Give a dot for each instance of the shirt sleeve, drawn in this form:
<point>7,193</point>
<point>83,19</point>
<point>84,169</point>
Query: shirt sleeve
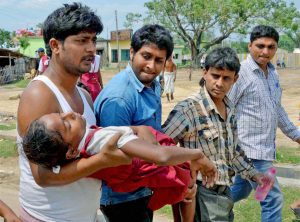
<point>176,125</point>
<point>286,126</point>
<point>115,112</point>
<point>236,91</point>
<point>242,165</point>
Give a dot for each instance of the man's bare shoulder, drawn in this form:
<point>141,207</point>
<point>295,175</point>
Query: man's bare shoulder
<point>36,101</point>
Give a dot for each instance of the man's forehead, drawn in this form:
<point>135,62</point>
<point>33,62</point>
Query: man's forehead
<point>153,49</point>
<point>220,70</point>
<point>86,33</point>
<point>265,41</point>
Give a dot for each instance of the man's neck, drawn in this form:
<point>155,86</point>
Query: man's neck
<point>61,78</point>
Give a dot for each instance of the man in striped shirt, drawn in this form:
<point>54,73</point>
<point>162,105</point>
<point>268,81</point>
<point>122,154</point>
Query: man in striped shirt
<point>257,97</point>
<point>206,121</point>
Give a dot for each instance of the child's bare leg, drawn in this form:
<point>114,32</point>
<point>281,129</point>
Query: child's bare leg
<point>187,210</point>
<point>176,212</point>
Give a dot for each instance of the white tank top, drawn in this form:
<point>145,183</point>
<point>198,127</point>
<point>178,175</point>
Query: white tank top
<point>77,201</point>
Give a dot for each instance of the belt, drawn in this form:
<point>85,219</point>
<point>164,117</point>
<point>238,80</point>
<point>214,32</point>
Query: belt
<point>216,188</point>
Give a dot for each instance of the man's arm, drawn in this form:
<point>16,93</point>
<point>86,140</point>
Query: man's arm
<point>286,126</point>
<point>110,156</point>
<point>7,213</point>
<point>175,71</point>
<point>36,101</point>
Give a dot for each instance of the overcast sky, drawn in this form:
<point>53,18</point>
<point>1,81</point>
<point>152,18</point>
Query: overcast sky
<point>17,14</point>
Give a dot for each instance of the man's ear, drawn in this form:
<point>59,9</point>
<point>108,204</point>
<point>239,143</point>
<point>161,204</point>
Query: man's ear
<point>236,77</point>
<point>54,45</point>
<point>131,53</point>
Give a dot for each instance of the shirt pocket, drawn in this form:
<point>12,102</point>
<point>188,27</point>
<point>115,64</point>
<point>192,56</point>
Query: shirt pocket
<point>209,141</point>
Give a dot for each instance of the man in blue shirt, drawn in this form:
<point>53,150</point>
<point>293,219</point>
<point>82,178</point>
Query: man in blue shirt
<point>132,97</point>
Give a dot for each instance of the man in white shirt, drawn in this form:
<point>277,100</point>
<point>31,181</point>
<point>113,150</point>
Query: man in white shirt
<point>257,97</point>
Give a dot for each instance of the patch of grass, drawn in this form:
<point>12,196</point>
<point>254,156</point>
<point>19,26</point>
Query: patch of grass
<point>18,83</point>
<point>288,155</point>
<point>22,83</point>
<point>8,148</point>
<point>8,127</point>
<point>165,211</point>
<point>249,209</point>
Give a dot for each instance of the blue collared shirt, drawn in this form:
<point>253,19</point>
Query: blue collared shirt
<point>259,111</point>
<point>125,101</point>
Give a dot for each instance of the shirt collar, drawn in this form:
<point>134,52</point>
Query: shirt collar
<point>254,66</point>
<point>88,130</point>
<point>136,82</point>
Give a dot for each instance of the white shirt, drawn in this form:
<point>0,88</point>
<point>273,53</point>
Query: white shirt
<point>77,201</point>
<point>259,111</point>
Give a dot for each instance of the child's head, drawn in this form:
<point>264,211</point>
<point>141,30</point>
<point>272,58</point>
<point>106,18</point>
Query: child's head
<point>54,138</point>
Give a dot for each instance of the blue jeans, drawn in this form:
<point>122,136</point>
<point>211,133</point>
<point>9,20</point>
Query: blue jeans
<point>272,205</point>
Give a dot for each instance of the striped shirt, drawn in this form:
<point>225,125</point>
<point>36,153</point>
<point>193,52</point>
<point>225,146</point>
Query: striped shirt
<point>196,124</point>
<point>259,111</point>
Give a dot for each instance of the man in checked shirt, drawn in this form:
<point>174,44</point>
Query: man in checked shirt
<point>207,121</point>
<point>257,97</point>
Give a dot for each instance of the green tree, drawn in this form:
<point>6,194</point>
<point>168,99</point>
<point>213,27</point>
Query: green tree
<point>5,39</point>
<point>24,42</point>
<point>132,19</point>
<point>285,42</point>
<point>192,19</point>
<point>294,32</point>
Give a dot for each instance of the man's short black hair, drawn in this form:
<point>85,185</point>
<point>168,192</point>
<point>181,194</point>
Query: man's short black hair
<point>261,31</point>
<point>222,58</point>
<point>153,34</point>
<point>70,19</point>
<point>43,146</point>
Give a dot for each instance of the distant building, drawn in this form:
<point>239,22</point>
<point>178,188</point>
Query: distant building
<point>123,55</point>
<point>177,54</point>
<point>102,49</point>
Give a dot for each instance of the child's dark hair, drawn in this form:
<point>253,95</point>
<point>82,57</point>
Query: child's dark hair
<point>70,20</point>
<point>43,146</point>
<point>153,34</point>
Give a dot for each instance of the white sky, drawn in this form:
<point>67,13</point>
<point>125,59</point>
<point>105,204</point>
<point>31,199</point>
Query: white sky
<point>17,14</point>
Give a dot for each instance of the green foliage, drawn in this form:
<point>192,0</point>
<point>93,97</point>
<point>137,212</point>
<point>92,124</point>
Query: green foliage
<point>192,20</point>
<point>8,148</point>
<point>5,39</point>
<point>240,47</point>
<point>287,43</point>
<point>132,19</point>
<point>24,42</point>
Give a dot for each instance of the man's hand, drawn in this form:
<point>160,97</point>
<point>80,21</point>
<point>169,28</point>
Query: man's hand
<point>144,133</point>
<point>262,179</point>
<point>192,188</point>
<point>115,156</point>
<point>207,169</point>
